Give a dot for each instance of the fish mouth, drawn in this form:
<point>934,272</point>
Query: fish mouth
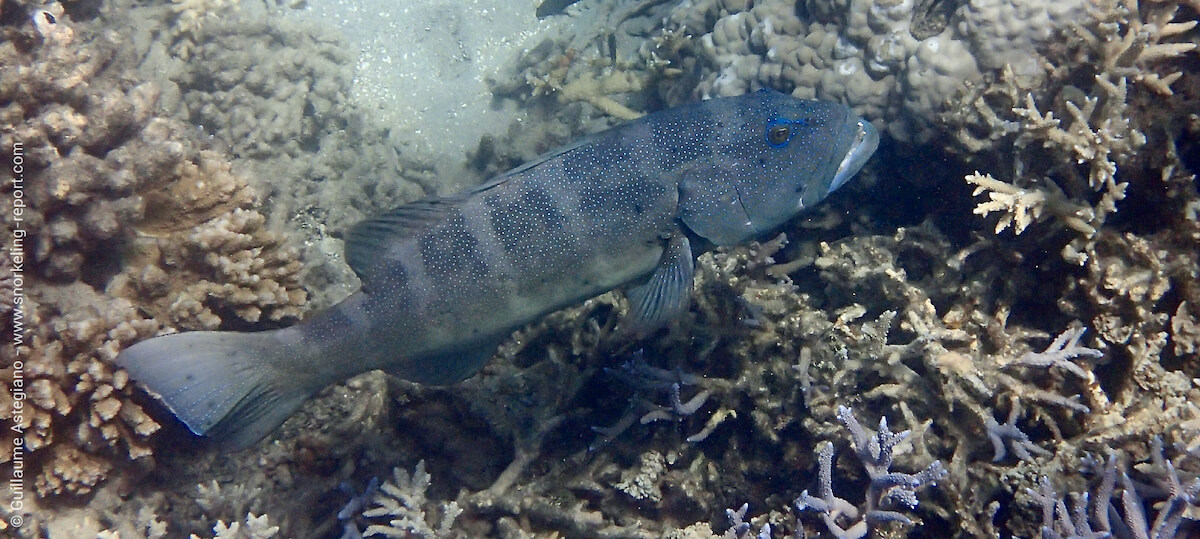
<point>865,143</point>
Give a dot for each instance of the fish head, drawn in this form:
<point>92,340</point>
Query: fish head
<point>769,157</point>
<point>806,150</point>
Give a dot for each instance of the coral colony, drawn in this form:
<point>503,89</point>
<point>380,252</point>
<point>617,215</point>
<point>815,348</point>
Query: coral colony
<point>1008,291</point>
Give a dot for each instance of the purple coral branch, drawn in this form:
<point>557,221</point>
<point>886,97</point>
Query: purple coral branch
<point>1058,522</point>
<point>885,489</point>
<point>1064,348</point>
<point>1008,432</point>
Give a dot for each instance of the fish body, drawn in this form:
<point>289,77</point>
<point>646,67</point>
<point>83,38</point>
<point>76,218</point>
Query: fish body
<point>444,280</point>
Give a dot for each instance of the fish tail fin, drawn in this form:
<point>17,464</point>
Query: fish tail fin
<point>223,385</point>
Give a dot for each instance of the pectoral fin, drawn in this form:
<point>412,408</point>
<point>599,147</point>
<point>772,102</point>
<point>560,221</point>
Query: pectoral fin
<point>667,294</point>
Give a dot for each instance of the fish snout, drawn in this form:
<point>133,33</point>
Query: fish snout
<point>866,141</point>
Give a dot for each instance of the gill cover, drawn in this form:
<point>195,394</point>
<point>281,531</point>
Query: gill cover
<point>772,163</point>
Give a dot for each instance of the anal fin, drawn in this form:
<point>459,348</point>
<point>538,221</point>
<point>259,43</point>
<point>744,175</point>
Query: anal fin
<point>668,292</point>
<point>448,367</point>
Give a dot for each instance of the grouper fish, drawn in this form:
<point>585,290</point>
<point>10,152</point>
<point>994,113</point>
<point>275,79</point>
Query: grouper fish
<point>445,279</point>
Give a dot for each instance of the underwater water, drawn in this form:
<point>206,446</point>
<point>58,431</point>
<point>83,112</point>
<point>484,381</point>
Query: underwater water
<point>991,330</point>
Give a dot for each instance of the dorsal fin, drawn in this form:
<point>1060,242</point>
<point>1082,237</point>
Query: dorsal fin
<point>368,239</point>
<point>505,176</point>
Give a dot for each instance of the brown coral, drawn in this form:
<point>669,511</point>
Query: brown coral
<point>133,230</point>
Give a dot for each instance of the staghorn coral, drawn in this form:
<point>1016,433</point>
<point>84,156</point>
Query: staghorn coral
<point>1100,517</point>
<point>1095,137</point>
<point>1115,41</point>
<point>886,487</point>
<point>1082,158</point>
<point>402,501</point>
<point>254,527</point>
<point>1082,152</point>
<point>748,366</point>
<point>1130,48</point>
<point>1020,208</point>
<point>1135,38</point>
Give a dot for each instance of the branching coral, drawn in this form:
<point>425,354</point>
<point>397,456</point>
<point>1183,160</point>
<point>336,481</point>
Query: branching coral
<point>1130,44</point>
<point>1133,38</point>
<point>1079,153</point>
<point>1093,137</point>
<point>402,501</point>
<point>646,379</point>
<point>1099,516</point>
<point>254,527</point>
<point>886,488</point>
<point>948,330</point>
<point>1020,208</point>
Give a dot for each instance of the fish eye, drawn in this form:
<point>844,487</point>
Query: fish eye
<point>778,134</point>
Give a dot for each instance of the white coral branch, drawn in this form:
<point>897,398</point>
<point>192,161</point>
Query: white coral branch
<point>1019,207</point>
<point>404,499</point>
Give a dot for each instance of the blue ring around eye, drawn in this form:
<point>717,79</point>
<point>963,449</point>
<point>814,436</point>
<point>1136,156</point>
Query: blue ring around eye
<point>777,123</point>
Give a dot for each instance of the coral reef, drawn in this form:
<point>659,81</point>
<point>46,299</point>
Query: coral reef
<point>897,62</point>
<point>254,527</point>
<point>133,229</point>
<point>1098,136</point>
<point>1094,517</point>
<point>587,78</point>
<point>1125,57</point>
<point>886,488</point>
<point>1028,363</point>
<point>400,501</point>
<point>272,92</point>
